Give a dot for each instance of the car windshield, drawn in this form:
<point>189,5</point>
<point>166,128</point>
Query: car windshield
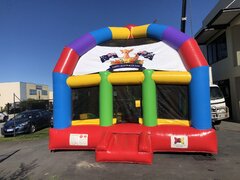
<point>216,93</point>
<point>22,115</point>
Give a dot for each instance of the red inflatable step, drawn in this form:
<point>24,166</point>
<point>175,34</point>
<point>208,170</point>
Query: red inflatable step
<point>125,147</point>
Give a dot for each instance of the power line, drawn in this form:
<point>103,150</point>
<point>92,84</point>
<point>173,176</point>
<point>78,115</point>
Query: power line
<point>183,17</point>
<point>190,18</point>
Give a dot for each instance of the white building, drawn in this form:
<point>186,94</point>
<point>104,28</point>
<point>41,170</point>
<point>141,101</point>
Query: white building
<point>50,95</point>
<point>220,40</point>
<point>22,91</point>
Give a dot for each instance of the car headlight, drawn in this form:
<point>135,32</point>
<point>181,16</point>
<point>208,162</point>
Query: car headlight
<point>214,109</point>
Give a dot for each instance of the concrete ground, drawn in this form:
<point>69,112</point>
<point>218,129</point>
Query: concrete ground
<point>33,160</point>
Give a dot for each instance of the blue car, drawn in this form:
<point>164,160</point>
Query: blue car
<point>27,122</point>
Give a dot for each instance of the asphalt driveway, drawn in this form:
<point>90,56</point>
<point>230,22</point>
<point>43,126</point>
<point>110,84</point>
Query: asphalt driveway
<point>33,160</point>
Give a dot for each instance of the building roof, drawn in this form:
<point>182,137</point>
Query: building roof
<point>219,22</point>
<point>23,82</point>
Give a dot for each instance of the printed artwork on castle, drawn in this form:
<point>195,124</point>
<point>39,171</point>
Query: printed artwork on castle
<point>156,56</point>
<point>126,60</point>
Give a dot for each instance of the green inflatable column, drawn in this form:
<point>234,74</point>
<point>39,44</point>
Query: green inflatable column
<point>106,100</point>
<point>149,99</point>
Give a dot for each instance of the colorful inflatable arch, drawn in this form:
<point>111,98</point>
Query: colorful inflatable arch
<point>133,142</point>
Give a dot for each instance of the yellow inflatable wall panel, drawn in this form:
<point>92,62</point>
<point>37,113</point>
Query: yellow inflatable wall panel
<point>120,32</point>
<point>89,122</point>
<point>166,77</point>
<point>126,78</point>
<point>139,31</point>
<point>169,122</point>
<point>83,80</point>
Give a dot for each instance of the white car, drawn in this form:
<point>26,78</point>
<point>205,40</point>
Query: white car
<point>3,117</point>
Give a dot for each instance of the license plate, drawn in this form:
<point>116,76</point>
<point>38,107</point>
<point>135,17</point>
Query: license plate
<point>9,130</point>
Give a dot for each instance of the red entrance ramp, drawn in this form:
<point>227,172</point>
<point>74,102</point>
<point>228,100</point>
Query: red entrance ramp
<point>125,147</point>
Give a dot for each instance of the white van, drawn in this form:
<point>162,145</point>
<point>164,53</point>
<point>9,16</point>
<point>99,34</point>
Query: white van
<point>219,110</point>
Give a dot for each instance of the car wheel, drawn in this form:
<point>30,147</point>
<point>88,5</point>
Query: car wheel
<point>32,128</point>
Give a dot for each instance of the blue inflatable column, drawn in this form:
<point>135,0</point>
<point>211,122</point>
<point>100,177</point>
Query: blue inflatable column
<point>199,90</point>
<point>62,105</point>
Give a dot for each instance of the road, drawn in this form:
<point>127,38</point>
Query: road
<point>33,160</point>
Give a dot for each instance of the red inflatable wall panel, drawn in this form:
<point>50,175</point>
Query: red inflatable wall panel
<point>125,147</point>
<point>191,54</point>
<point>59,139</point>
<point>161,137</point>
<point>195,140</point>
<point>67,61</point>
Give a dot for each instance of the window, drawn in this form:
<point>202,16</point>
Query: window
<point>236,44</point>
<point>172,101</point>
<point>85,102</point>
<point>215,93</point>
<point>44,92</point>
<point>124,103</point>
<point>217,49</point>
<point>35,115</point>
<point>38,87</point>
<point>209,55</point>
<point>33,92</point>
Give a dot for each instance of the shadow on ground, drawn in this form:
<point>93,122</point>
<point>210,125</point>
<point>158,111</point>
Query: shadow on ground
<point>21,173</point>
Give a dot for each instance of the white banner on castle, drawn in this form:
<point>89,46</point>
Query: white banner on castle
<point>156,56</point>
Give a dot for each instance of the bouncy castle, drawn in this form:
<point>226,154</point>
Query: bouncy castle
<point>127,92</point>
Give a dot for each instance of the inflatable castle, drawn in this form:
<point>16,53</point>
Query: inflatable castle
<point>127,92</point>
